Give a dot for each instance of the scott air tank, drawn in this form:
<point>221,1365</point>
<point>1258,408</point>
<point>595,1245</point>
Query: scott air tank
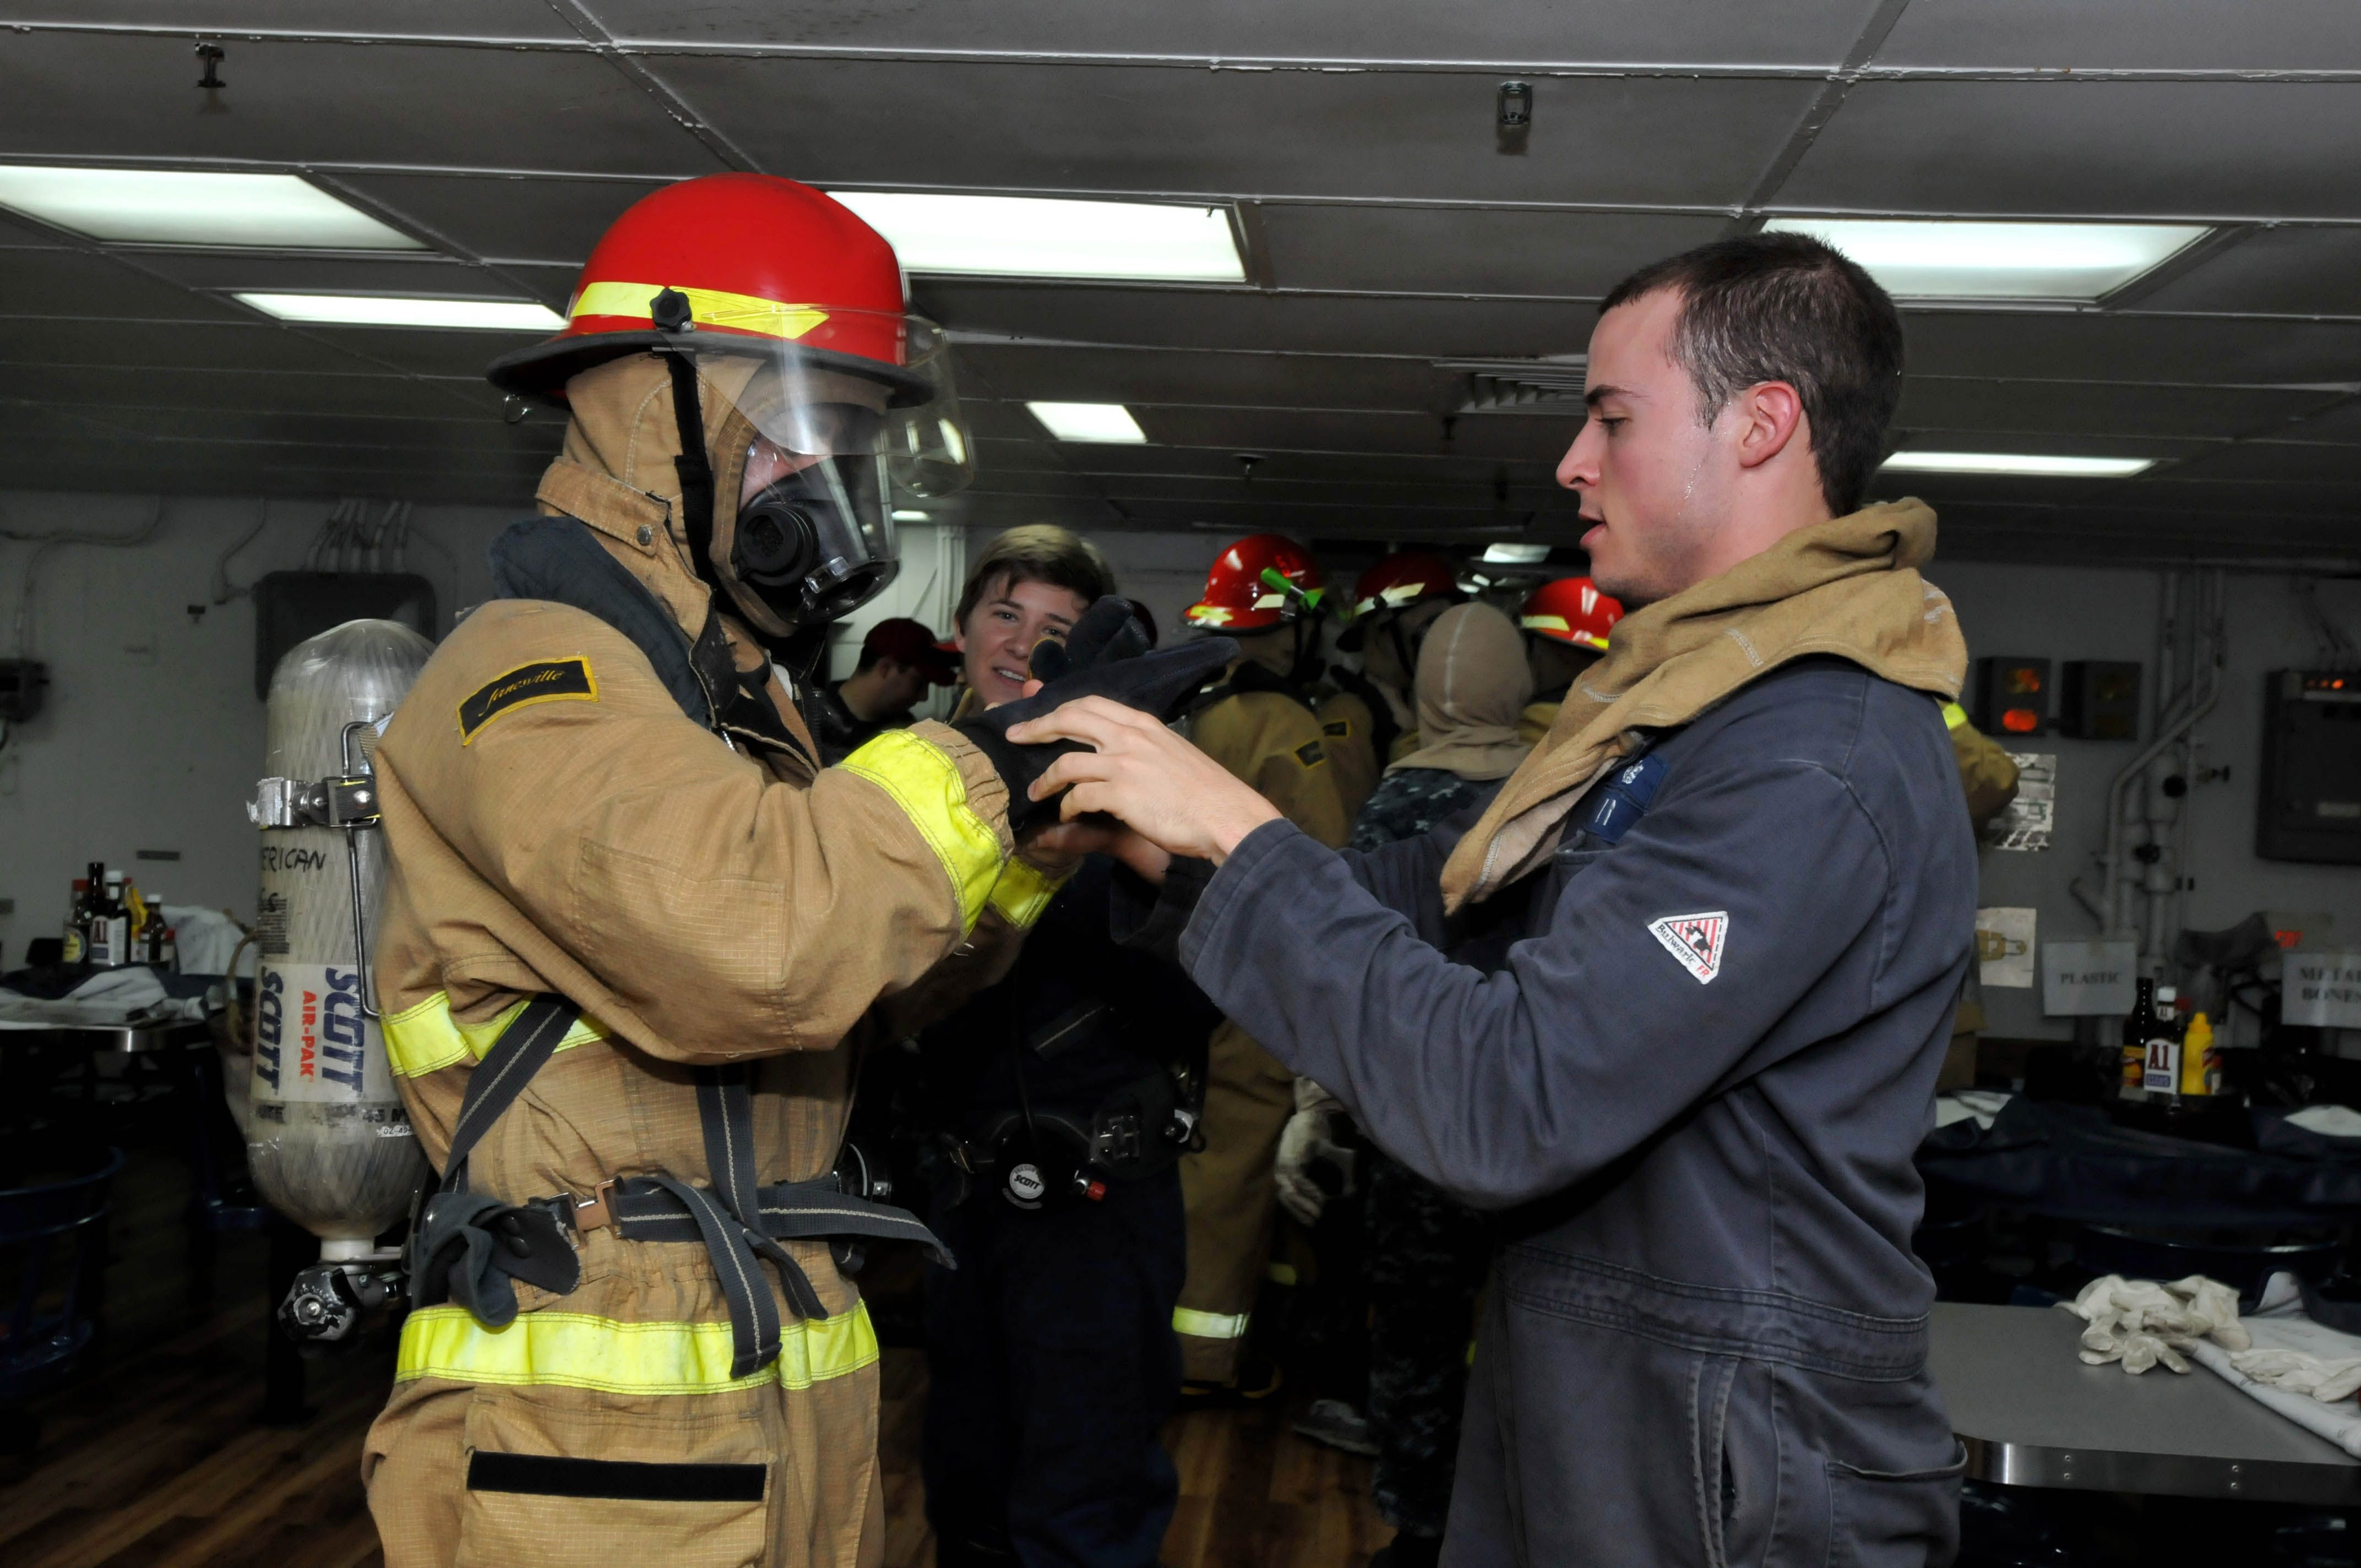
<point>329,1142</point>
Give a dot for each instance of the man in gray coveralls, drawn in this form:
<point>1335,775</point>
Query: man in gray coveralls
<point>1674,1004</point>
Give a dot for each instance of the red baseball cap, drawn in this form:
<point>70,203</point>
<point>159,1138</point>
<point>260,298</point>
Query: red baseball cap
<point>909,643</point>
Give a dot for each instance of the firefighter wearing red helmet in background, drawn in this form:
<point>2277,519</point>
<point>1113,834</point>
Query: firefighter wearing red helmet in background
<point>624,890</point>
<point>1259,723</point>
<point>1393,604</point>
<point>1565,625</point>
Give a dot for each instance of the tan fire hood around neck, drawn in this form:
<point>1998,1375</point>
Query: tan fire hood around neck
<point>1848,588</point>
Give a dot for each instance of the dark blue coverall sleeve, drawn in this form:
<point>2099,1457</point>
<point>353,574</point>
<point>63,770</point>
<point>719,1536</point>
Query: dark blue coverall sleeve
<point>1506,1087</point>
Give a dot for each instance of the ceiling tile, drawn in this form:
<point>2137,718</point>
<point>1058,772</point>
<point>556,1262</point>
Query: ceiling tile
<point>2062,346</point>
<point>1245,318</point>
<point>2123,35</point>
<point>383,19</point>
<point>1577,254</point>
<point>215,386</point>
<point>1146,130</point>
<point>129,95</point>
<point>81,283</point>
<point>453,353</point>
<point>1538,30</point>
<point>2293,271</point>
<point>2097,408</point>
<point>2342,423</point>
<point>2273,462</point>
<point>2087,149</point>
<point>221,271</point>
<point>508,218</point>
<point>1151,376</point>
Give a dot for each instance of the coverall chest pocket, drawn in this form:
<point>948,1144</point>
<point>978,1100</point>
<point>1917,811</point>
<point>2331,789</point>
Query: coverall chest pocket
<point>572,1479</point>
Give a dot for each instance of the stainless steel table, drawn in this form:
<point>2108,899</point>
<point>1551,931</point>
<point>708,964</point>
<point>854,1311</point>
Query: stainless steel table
<point>107,1039</point>
<point>2032,1415</point>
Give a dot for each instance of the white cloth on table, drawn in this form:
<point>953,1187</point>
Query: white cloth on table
<point>111,997</point>
<point>206,937</point>
<point>2328,1121</point>
<point>2306,1371</point>
<point>1981,1105</point>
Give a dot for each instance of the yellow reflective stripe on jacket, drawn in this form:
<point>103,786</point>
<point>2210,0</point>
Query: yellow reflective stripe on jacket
<point>926,783</point>
<point>574,1350</point>
<point>425,1039</point>
<point>1954,716</point>
<point>1208,1326</point>
<point>1023,892</point>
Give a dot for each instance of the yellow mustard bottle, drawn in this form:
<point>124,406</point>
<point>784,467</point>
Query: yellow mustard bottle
<point>2201,1063</point>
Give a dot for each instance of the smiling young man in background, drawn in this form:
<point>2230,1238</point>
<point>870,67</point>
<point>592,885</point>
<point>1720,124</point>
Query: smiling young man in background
<point>1683,1027</point>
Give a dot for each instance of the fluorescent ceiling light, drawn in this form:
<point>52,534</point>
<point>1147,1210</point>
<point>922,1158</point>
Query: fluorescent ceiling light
<point>2019,462</point>
<point>1998,261</point>
<point>1038,236</point>
<point>906,515</point>
<point>1516,555</point>
<point>177,206</point>
<point>1090,422</point>
<point>378,310</point>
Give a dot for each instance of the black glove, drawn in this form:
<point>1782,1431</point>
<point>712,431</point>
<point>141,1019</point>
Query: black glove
<point>1106,655</point>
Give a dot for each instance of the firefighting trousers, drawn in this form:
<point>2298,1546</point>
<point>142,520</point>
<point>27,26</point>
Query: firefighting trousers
<point>1050,1368</point>
<point>586,1441</point>
<point>1228,1189</point>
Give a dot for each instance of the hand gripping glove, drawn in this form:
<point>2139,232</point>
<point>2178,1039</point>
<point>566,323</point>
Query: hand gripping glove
<point>1106,655</point>
<point>1315,1165</point>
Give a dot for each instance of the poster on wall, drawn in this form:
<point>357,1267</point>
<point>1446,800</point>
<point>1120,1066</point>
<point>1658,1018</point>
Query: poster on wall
<point>2004,948</point>
<point>2025,825</point>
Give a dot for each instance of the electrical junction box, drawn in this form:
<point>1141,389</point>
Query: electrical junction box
<point>2308,809</point>
<point>2012,697</point>
<point>2098,700</point>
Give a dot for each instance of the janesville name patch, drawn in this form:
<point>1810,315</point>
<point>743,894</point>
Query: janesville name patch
<point>1695,940</point>
<point>545,680</point>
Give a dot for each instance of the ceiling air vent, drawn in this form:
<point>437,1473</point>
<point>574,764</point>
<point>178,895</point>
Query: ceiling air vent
<point>1515,386</point>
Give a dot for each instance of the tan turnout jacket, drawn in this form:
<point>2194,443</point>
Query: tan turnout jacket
<point>576,832</point>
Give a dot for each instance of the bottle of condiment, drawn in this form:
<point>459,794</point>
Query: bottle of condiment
<point>2201,1059</point>
<point>77,919</point>
<point>110,923</point>
<point>2136,1030</point>
<point>2162,1075</point>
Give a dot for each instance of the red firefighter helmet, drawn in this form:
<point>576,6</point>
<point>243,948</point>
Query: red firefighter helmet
<point>1571,610</point>
<point>1400,581</point>
<point>1397,582</point>
<point>1239,597</point>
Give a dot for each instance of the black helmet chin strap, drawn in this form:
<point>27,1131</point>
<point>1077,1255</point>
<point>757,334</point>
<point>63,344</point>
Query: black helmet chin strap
<point>670,311</point>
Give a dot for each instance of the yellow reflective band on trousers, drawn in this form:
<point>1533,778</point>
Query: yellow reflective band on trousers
<point>926,783</point>
<point>1954,716</point>
<point>425,1039</point>
<point>1023,893</point>
<point>574,1350</point>
<point>1208,1326</point>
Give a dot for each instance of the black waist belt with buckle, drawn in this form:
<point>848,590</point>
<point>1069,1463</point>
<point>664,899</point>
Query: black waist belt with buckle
<point>467,1246</point>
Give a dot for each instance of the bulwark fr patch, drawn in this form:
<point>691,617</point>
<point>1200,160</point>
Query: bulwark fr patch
<point>1310,754</point>
<point>543,680</point>
<point>1696,940</point>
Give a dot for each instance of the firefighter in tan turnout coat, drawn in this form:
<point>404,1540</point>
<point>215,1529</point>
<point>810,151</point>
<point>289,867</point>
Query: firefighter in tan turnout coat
<point>633,932</point>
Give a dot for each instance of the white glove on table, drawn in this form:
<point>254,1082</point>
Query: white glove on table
<point>1308,1142</point>
<point>2141,1322</point>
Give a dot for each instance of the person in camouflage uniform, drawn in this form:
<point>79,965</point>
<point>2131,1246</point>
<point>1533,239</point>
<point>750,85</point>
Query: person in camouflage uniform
<point>1427,1254</point>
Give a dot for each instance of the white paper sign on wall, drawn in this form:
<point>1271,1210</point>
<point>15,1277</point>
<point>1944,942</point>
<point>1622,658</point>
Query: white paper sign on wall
<point>2321,989</point>
<point>2091,978</point>
<point>2004,947</point>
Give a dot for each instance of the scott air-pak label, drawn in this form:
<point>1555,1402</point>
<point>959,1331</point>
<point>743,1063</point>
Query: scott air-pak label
<point>543,680</point>
<point>312,1041</point>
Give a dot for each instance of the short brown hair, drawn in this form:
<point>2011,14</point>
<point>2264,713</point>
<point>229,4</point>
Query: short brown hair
<point>1785,307</point>
<point>1036,553</point>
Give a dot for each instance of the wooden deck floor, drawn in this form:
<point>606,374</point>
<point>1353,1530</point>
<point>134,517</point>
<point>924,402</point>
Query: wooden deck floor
<point>155,1459</point>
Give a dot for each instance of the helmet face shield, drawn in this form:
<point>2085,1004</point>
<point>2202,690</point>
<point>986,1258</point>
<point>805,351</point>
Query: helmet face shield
<point>812,442</point>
